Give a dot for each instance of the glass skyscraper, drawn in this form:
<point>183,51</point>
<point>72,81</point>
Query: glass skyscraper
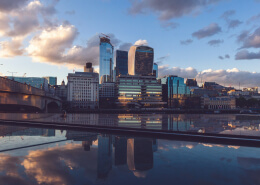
<point>155,69</point>
<point>121,62</point>
<point>140,60</point>
<point>106,64</point>
<point>51,80</point>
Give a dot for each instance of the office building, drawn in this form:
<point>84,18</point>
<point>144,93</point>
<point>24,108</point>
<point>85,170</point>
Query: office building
<point>217,103</point>
<point>61,91</point>
<point>121,62</point>
<point>83,90</point>
<point>155,70</point>
<point>142,92</point>
<point>251,90</point>
<point>175,88</point>
<point>88,67</point>
<point>51,80</point>
<point>140,60</point>
<point>107,95</point>
<point>106,64</point>
<point>37,82</point>
<point>191,83</point>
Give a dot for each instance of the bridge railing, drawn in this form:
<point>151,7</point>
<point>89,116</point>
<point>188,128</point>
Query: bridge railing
<point>14,86</point>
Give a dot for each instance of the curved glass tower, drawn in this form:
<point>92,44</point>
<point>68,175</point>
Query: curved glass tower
<point>140,60</point>
<point>106,63</point>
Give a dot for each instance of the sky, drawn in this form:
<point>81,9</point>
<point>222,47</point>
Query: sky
<point>210,40</point>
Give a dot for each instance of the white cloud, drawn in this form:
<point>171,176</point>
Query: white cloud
<point>141,42</point>
<point>11,48</point>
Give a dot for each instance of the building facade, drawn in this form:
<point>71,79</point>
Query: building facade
<point>155,70</point>
<point>106,64</point>
<point>51,80</point>
<point>83,90</point>
<point>61,91</point>
<point>218,103</point>
<point>37,82</point>
<point>121,62</point>
<point>175,89</point>
<point>139,92</point>
<point>140,60</point>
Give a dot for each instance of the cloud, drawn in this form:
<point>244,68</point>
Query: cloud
<point>11,48</point>
<point>225,77</point>
<point>185,73</point>
<point>234,23</point>
<point>160,60</point>
<point>186,42</point>
<point>250,40</point>
<point>171,25</point>
<point>125,46</point>
<point>8,5</point>
<point>224,57</point>
<point>246,55</point>
<point>242,36</point>
<point>227,14</point>
<point>169,9</point>
<point>141,42</point>
<point>207,31</point>
<point>253,19</point>
<point>72,12</point>
<point>215,42</point>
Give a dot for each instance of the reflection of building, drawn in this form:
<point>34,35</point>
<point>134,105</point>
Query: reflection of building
<point>120,150</point>
<point>178,123</point>
<point>37,82</point>
<point>51,80</point>
<point>106,64</point>
<point>104,155</point>
<point>121,62</point>
<point>139,92</point>
<point>83,91</point>
<point>34,132</point>
<point>140,154</point>
<point>140,60</point>
<point>223,102</point>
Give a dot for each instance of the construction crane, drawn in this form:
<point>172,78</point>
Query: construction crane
<point>12,73</point>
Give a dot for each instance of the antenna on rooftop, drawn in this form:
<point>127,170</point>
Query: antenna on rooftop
<point>105,35</point>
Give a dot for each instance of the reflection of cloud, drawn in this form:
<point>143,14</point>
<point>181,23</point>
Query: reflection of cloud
<point>235,147</point>
<point>140,174</point>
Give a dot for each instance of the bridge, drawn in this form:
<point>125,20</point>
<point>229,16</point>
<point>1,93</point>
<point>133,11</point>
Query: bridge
<point>16,96</point>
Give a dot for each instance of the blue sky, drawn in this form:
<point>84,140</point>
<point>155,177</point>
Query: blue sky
<point>190,38</point>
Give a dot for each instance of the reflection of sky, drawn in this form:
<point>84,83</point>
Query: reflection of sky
<point>175,162</point>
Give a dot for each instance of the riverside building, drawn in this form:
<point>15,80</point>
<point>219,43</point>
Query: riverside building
<point>83,90</point>
<point>121,62</point>
<point>106,64</point>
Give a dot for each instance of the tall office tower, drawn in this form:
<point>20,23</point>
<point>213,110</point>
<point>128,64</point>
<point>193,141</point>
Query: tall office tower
<point>121,62</point>
<point>140,60</point>
<point>155,70</point>
<point>106,64</point>
<point>51,80</point>
<point>88,68</point>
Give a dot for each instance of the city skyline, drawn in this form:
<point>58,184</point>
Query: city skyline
<point>208,40</point>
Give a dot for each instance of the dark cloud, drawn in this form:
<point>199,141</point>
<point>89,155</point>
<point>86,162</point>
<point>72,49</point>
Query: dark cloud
<point>246,55</point>
<point>227,14</point>
<point>224,57</point>
<point>250,40</point>
<point>185,73</point>
<point>8,5</point>
<point>169,9</point>
<point>215,42</point>
<point>160,60</point>
<point>234,23</point>
<point>186,42</point>
<point>241,37</point>
<point>207,31</point>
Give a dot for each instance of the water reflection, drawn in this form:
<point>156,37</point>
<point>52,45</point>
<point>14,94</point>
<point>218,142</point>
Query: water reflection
<point>92,158</point>
<point>202,123</point>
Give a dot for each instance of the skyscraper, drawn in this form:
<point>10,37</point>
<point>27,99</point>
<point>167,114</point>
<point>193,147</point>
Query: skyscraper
<point>140,60</point>
<point>106,64</point>
<point>121,62</point>
<point>155,70</point>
